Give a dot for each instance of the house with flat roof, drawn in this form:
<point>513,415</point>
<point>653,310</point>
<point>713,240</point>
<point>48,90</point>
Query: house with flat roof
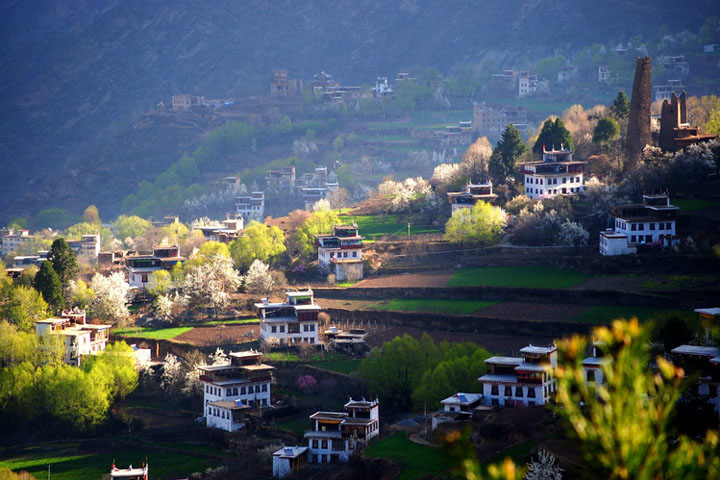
<point>340,252</point>
<point>141,269</point>
<point>80,338</point>
<point>288,460</point>
<point>473,193</point>
<point>224,231</point>
<point>291,322</point>
<point>556,174</point>
<point>701,362</point>
<point>650,223</point>
<point>251,207</point>
<point>335,436</point>
<point>521,381</point>
<point>88,246</point>
<point>234,389</point>
<point>130,473</point>
<point>461,403</point>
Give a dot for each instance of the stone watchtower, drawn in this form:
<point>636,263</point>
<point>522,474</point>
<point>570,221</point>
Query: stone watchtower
<point>672,116</point>
<point>638,131</point>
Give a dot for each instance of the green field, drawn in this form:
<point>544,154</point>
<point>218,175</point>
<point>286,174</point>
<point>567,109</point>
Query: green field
<point>152,333</point>
<point>691,204</point>
<point>297,425</point>
<point>526,276</point>
<point>607,313</point>
<point>373,226</point>
<point>458,307</point>
<point>417,461</point>
<point>67,462</point>
<point>347,366</point>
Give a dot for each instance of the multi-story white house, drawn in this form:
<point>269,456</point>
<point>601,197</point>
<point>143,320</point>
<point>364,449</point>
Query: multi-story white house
<point>592,366</point>
<point>650,223</point>
<point>521,381</point>
<point>141,269</point>
<point>251,207</point>
<point>557,174</point>
<point>81,339</point>
<point>223,231</point>
<point>11,239</point>
<point>340,252</point>
<point>615,243</point>
<point>473,193</point>
<point>336,435</point>
<point>232,390</point>
<point>88,246</point>
<point>291,322</point>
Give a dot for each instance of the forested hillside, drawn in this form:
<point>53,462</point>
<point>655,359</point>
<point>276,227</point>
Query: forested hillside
<point>77,75</point>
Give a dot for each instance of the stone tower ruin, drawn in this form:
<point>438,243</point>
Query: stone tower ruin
<point>638,131</point>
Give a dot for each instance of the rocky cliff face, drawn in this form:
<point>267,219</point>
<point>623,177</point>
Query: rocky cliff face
<point>76,75</point>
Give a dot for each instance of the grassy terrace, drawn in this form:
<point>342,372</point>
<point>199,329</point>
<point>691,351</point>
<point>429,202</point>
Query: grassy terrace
<point>152,333</point>
<point>607,313</point>
<point>691,204</point>
<point>68,462</point>
<point>526,276</point>
<point>347,366</point>
<point>417,461</point>
<point>375,226</point>
<point>458,307</point>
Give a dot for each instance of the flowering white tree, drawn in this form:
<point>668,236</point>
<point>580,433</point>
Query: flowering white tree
<point>320,205</point>
<point>258,278</point>
<point>403,195</point>
<point>445,173</point>
<point>572,233</point>
<point>163,307</point>
<point>219,357</point>
<point>544,468</point>
<point>172,376</point>
<point>111,297</point>
<point>210,283</point>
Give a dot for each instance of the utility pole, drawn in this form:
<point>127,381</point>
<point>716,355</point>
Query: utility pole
<point>408,229</point>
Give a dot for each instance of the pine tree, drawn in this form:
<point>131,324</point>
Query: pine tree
<point>510,147</point>
<point>63,260</point>
<point>48,284</point>
<point>621,105</point>
<point>553,135</point>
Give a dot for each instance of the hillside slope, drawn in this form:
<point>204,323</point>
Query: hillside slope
<point>77,74</point>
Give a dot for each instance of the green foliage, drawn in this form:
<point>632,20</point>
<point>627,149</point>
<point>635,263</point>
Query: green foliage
<point>17,346</point>
<point>712,126</point>
<point>81,295</point>
<point>162,281</point>
<point>553,135</point>
<point>130,226</point>
<point>176,232</point>
<point>75,232</point>
<point>114,369</point>
<point>63,260</point>
<point>506,153</point>
<point>395,372</point>
<point>338,143</point>
<point>621,105</point>
<point>458,373</point>
<point>481,225</point>
<point>55,218</point>
<point>259,242</point>
<point>527,276</point>
<point>417,461</point>
<point>607,129</point>
<point>48,284</point>
<point>23,306</point>
<point>320,222</point>
<point>19,223</point>
<point>7,474</point>
<point>547,68</point>
<point>347,366</point>
<point>622,424</point>
<point>458,307</point>
<point>91,215</point>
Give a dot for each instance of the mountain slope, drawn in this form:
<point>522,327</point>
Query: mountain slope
<point>77,74</point>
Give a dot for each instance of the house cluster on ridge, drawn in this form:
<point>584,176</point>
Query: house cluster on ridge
<point>224,231</point>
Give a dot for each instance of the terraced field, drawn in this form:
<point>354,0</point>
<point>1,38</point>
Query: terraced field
<point>607,313</point>
<point>456,307</point>
<point>525,276</point>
